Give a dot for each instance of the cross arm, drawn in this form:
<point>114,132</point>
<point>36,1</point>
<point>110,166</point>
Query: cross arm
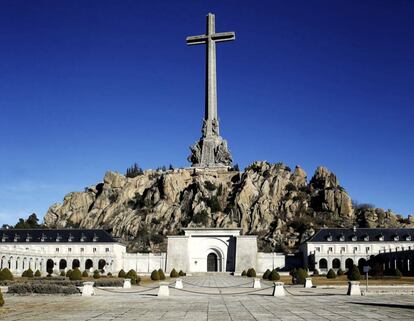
<point>223,36</point>
<point>196,40</point>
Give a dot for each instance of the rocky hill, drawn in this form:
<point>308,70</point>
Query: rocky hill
<point>270,200</point>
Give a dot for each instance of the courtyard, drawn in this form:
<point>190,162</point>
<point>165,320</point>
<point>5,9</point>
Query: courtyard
<point>210,297</point>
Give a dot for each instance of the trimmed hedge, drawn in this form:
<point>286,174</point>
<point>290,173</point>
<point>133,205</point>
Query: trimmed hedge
<point>173,273</point>
<point>37,274</point>
<point>244,273</point>
<point>274,276</point>
<point>266,274</point>
<point>316,272</point>
<point>5,274</point>
<point>96,274</point>
<point>62,273</point>
<point>36,287</point>
<point>181,273</point>
<point>353,274</point>
<point>331,274</point>
<point>69,273</point>
<point>122,274</point>
<point>75,275</point>
<point>155,276</point>
<point>85,274</point>
<point>161,274</point>
<point>340,272</point>
<point>299,276</point>
<point>135,279</point>
<point>397,273</point>
<point>251,273</point>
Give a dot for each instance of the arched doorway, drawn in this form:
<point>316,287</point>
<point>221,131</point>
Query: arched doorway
<point>212,265</point>
<point>62,264</point>
<point>361,264</point>
<point>101,265</point>
<point>336,264</point>
<point>349,263</point>
<point>323,264</point>
<point>75,264</point>
<point>88,264</point>
<point>49,266</point>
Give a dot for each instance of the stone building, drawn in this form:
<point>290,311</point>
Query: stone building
<point>199,250</point>
<point>340,248</point>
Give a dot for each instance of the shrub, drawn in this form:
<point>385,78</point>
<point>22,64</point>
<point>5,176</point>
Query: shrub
<point>244,273</point>
<point>85,274</point>
<point>274,276</point>
<point>109,274</point>
<point>173,274</point>
<point>266,274</point>
<point>29,273</point>
<point>353,273</point>
<point>331,274</point>
<point>68,273</point>
<point>397,273</point>
<point>135,279</point>
<point>251,273</point>
<point>161,274</point>
<point>5,274</point>
<point>155,276</point>
<point>96,274</point>
<point>122,274</point>
<point>316,272</point>
<point>1,299</point>
<point>76,275</point>
<point>42,288</point>
<point>37,274</point>
<point>340,272</point>
<point>181,273</point>
<point>110,282</point>
<point>62,273</point>
<point>24,274</point>
<point>299,276</point>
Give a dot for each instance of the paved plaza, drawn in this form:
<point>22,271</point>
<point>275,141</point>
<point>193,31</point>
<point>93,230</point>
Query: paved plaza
<point>227,298</point>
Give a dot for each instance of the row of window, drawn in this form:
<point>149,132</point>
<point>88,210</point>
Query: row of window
<point>367,249</point>
<point>82,249</point>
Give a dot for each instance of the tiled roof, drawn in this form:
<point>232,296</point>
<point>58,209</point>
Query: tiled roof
<point>53,235</point>
<point>363,234</point>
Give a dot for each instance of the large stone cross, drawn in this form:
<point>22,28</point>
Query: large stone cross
<point>211,150</point>
<point>210,39</point>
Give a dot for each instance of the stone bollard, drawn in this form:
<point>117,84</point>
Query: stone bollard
<point>308,283</point>
<point>163,290</point>
<point>88,289</point>
<point>353,288</point>
<point>256,284</point>
<point>127,284</point>
<point>278,289</point>
<point>178,284</point>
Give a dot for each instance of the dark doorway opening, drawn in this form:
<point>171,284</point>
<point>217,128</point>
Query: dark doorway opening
<point>212,262</point>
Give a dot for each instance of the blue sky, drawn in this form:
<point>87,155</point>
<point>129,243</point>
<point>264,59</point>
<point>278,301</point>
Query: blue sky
<point>90,86</point>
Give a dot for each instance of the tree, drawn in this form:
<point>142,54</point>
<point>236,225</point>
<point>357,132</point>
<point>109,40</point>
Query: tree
<point>30,223</point>
<point>122,274</point>
<point>353,274</point>
<point>134,171</point>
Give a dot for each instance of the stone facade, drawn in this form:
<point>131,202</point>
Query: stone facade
<point>340,248</point>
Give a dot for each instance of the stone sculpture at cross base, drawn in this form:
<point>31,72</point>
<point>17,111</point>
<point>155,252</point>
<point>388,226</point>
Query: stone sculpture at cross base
<point>211,150</point>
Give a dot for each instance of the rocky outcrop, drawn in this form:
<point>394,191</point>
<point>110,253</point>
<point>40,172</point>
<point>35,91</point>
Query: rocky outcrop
<point>269,200</point>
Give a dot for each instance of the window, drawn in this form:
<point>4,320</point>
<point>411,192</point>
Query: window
<point>355,249</point>
<point>330,249</point>
<point>107,250</point>
<point>343,249</point>
<point>82,249</point>
<point>69,249</point>
<point>57,249</point>
<point>94,250</point>
<point>367,249</point>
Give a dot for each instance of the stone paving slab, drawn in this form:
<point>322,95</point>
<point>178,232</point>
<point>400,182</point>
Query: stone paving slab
<point>235,300</point>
